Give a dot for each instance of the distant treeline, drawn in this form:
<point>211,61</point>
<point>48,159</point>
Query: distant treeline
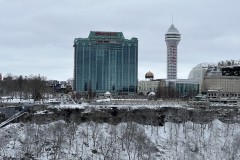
<point>34,87</point>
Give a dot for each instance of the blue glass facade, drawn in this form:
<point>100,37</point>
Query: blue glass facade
<point>187,87</point>
<point>107,61</point>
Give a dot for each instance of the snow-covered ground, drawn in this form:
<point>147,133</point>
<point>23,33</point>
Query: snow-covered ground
<point>61,140</point>
<point>70,106</point>
<point>16,100</point>
<point>120,106</point>
<point>103,100</point>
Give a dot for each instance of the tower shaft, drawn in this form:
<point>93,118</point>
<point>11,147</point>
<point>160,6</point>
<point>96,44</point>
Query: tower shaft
<point>172,38</point>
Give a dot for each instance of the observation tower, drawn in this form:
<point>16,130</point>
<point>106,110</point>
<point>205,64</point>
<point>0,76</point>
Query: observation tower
<point>172,38</point>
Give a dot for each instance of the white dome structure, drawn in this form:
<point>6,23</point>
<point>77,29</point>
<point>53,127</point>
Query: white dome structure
<point>107,95</point>
<point>152,94</point>
<point>198,72</point>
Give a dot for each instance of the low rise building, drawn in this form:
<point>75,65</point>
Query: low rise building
<point>149,84</point>
<point>180,87</point>
<point>187,87</point>
<point>222,81</point>
<point>224,86</point>
<point>218,81</point>
<point>145,87</point>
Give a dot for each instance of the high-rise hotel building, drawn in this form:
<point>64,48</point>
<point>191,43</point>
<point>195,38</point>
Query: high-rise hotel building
<point>172,38</point>
<point>106,61</point>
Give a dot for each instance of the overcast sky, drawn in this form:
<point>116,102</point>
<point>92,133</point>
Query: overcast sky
<point>36,36</point>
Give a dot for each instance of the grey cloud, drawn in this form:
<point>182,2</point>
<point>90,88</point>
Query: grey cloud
<point>37,36</point>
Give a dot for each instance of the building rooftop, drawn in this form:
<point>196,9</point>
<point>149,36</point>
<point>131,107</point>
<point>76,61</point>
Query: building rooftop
<point>103,34</point>
<point>172,30</point>
<point>106,37</point>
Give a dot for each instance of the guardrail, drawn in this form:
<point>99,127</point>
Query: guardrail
<point>15,116</point>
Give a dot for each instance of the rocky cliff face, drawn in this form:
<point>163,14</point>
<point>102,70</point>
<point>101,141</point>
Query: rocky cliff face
<point>145,116</point>
<point>123,133</point>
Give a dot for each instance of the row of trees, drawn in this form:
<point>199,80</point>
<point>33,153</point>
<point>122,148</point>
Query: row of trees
<point>170,92</point>
<point>166,92</point>
<point>24,87</point>
<point>130,141</point>
<point>88,140</point>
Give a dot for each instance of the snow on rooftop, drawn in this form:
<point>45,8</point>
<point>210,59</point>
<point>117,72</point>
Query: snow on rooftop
<point>103,100</point>
<point>107,93</point>
<point>205,65</point>
<point>151,94</point>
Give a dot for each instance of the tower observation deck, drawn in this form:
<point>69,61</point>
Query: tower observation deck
<point>172,38</point>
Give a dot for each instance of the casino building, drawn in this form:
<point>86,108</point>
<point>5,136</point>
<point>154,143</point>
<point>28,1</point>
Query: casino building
<point>106,61</point>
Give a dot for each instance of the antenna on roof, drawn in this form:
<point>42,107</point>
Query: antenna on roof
<point>172,19</point>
